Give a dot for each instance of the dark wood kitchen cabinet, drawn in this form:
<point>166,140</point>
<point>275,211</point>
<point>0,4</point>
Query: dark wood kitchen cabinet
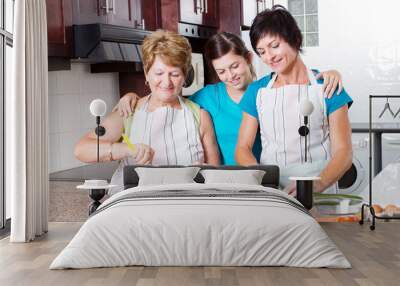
<point>199,12</point>
<point>89,11</point>
<point>189,17</point>
<point>59,28</point>
<point>229,14</point>
<point>250,9</point>
<point>62,14</point>
<point>126,13</point>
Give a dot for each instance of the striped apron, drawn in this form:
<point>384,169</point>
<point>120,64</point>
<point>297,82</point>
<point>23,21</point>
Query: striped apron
<point>279,117</point>
<point>173,134</point>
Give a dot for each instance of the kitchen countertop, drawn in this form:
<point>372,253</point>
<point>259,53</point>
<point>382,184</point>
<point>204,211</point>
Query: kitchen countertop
<point>376,127</point>
<point>102,171</point>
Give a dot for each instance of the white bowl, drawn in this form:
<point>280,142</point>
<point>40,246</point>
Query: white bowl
<point>96,183</point>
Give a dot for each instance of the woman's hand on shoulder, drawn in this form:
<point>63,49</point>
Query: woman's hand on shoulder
<point>126,104</point>
<point>332,80</point>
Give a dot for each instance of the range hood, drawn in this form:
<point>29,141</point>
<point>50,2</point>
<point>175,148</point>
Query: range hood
<point>104,43</point>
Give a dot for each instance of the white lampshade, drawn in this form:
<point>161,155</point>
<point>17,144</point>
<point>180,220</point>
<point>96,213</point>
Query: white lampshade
<point>98,107</point>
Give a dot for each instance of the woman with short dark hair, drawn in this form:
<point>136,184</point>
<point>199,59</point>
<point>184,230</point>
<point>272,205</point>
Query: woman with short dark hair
<point>273,104</point>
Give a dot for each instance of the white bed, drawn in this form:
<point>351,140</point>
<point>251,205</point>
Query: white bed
<point>201,224</point>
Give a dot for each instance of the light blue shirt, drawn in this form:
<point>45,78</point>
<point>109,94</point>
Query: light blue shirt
<point>227,117</point>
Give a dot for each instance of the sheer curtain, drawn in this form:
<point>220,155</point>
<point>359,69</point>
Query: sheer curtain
<point>27,120</point>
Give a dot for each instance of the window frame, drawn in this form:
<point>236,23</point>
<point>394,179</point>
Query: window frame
<point>6,39</point>
<point>305,31</point>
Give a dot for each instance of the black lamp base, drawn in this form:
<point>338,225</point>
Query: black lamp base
<point>304,191</point>
<point>96,195</point>
<point>100,130</point>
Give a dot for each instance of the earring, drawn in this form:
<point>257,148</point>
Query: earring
<point>146,83</point>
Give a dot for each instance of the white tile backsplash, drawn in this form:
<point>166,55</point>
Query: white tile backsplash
<point>70,94</point>
<point>69,118</point>
<point>67,82</point>
<point>54,152</point>
<point>93,84</point>
<point>67,144</point>
<point>52,83</point>
<point>108,82</point>
<point>54,118</point>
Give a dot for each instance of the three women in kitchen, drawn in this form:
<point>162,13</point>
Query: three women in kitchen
<point>165,128</point>
<point>231,64</point>
<point>272,104</point>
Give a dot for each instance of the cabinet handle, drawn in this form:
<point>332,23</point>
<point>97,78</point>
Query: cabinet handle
<point>141,25</point>
<point>259,6</point>
<point>206,6</point>
<point>113,5</point>
<point>105,7</point>
<point>197,7</point>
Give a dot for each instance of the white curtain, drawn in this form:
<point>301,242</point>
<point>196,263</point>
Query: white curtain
<point>27,123</point>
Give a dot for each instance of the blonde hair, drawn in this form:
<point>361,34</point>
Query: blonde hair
<point>172,48</point>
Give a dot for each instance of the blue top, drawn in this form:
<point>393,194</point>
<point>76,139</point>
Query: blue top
<point>227,117</point>
<point>248,102</point>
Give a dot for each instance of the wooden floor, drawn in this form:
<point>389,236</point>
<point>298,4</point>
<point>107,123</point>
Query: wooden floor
<point>374,255</point>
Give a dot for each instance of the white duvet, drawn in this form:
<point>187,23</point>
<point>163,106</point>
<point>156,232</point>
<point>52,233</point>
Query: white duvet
<point>225,225</point>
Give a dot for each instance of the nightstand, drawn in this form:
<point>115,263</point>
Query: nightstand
<point>97,190</point>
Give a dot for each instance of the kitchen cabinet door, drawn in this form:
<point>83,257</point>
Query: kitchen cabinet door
<point>59,32</point>
<point>126,13</point>
<point>90,11</point>
<point>250,9</point>
<point>151,14</point>
<point>199,12</point>
<point>210,11</point>
<point>190,11</point>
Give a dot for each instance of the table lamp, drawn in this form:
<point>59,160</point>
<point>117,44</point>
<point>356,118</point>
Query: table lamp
<point>98,108</point>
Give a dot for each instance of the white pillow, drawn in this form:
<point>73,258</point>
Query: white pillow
<point>166,176</point>
<point>248,177</point>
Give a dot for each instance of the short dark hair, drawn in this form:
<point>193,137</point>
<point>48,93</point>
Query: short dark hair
<point>221,44</point>
<point>276,21</point>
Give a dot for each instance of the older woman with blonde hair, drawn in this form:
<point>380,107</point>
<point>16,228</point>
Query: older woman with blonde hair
<point>165,128</point>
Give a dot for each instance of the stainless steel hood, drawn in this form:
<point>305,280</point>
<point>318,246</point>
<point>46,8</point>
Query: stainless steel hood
<point>104,43</point>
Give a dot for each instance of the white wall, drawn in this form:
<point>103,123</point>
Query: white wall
<point>361,39</point>
<point>70,93</point>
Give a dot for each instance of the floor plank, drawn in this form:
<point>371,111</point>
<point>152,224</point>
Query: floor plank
<point>374,255</point>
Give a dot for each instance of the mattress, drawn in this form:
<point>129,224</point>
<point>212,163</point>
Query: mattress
<point>201,225</point>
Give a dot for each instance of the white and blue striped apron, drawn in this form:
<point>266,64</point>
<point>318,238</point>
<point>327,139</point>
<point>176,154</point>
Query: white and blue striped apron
<point>279,117</point>
<point>173,134</point>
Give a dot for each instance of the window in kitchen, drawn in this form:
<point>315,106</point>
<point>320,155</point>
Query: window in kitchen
<point>306,14</point>
<point>6,63</point>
